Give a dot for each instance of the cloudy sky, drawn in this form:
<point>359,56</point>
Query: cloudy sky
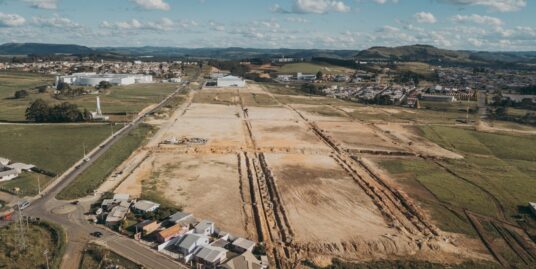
<point>332,24</point>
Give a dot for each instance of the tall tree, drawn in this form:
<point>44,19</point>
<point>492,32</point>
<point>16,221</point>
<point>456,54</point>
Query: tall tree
<point>38,111</point>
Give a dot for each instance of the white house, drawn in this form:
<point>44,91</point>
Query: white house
<point>210,256</point>
<point>4,161</point>
<point>205,227</point>
<point>144,206</point>
<point>7,173</point>
<point>231,81</point>
<point>188,244</point>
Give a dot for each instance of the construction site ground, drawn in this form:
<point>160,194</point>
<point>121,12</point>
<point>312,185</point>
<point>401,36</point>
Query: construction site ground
<point>301,174</point>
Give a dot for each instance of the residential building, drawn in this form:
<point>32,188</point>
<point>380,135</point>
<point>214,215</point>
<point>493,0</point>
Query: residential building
<point>244,261</point>
<point>179,217</point>
<point>210,256</point>
<point>189,243</point>
<point>21,167</point>
<point>4,161</point>
<point>533,208</point>
<point>242,245</point>
<point>115,216</point>
<point>147,227</point>
<point>171,232</point>
<point>144,206</point>
<point>205,227</point>
<point>7,173</point>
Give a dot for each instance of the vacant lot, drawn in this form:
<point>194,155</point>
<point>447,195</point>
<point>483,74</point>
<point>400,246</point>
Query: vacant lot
<point>205,185</point>
<point>39,237</point>
<point>323,203</point>
<point>52,147</point>
<point>97,257</point>
<point>90,179</point>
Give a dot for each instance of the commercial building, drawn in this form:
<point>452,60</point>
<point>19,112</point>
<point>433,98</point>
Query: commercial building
<point>93,79</point>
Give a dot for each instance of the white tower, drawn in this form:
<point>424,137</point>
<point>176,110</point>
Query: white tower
<point>99,112</point>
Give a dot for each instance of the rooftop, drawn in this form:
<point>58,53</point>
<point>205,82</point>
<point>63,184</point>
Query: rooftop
<point>210,253</point>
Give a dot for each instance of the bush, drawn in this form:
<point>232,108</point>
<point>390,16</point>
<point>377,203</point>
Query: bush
<point>21,94</point>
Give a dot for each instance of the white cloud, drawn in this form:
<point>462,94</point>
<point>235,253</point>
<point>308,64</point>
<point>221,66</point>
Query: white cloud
<point>164,24</point>
<point>381,2</point>
<point>319,6</point>
<point>425,17</point>
<point>43,4</point>
<point>11,20</point>
<point>55,21</point>
<point>478,19</point>
<point>497,5</point>
<point>153,4</point>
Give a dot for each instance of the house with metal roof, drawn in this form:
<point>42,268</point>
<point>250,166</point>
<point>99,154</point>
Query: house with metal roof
<point>243,245</point>
<point>171,232</point>
<point>188,244</point>
<point>205,227</point>
<point>7,174</point>
<point>210,256</point>
<point>179,217</point>
<point>244,261</point>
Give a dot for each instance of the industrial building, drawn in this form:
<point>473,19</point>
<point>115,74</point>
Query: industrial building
<point>93,79</point>
<point>231,81</point>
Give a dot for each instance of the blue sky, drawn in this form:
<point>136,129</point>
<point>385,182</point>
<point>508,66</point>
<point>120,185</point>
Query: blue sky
<point>326,24</point>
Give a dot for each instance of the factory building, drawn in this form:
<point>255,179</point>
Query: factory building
<point>93,79</point>
<point>231,81</point>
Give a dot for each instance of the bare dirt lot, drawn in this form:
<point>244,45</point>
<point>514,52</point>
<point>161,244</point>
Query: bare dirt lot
<point>285,172</point>
<point>323,202</point>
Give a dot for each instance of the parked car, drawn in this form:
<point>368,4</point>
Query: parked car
<point>22,204</point>
<point>96,234</point>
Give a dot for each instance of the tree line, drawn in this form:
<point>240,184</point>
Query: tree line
<point>41,111</point>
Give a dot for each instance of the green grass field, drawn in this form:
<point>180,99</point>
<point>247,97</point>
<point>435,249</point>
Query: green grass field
<point>39,237</point>
<point>116,100</point>
<point>496,167</point>
<point>51,147</point>
<point>10,82</point>
<point>95,175</point>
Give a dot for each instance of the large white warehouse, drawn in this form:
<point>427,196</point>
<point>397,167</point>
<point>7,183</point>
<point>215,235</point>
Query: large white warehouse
<point>231,81</point>
<point>93,79</point>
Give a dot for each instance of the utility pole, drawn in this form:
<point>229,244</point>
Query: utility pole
<point>20,233</point>
<point>46,257</point>
<point>38,186</point>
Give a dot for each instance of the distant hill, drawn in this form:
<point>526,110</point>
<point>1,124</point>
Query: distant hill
<point>417,53</point>
<point>42,49</point>
<point>431,54</point>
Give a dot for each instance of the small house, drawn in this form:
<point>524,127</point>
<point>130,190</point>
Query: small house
<point>171,232</point>
<point>188,244</point>
<point>115,216</point>
<point>7,173</point>
<point>244,261</point>
<point>144,206</point>
<point>241,245</point>
<point>179,217</point>
<point>205,227</point>
<point>210,256</point>
<point>147,226</point>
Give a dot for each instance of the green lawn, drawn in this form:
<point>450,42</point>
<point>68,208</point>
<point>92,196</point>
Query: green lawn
<point>95,175</point>
<point>50,147</point>
<point>27,183</point>
<point>39,237</point>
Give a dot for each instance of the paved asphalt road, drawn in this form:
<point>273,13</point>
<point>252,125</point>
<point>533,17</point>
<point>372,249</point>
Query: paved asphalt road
<point>78,229</point>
